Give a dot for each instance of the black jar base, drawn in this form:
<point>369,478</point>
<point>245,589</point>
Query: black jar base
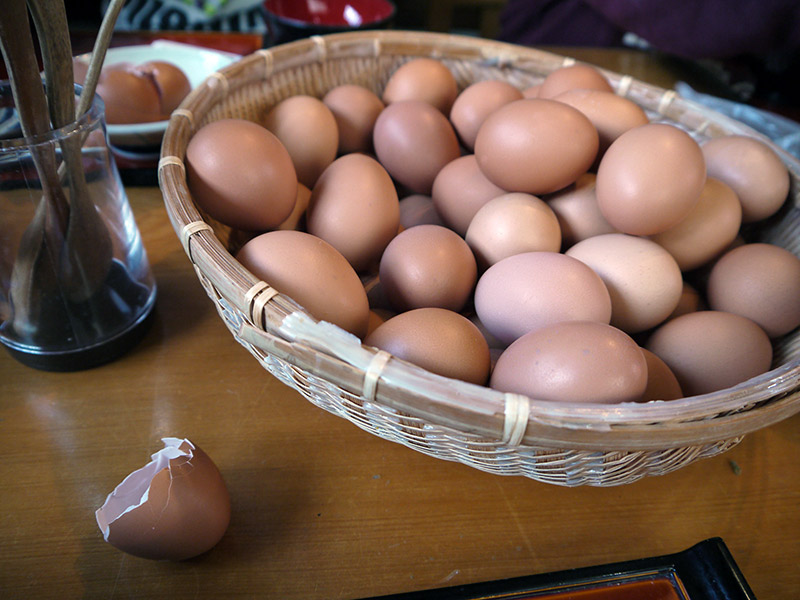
<point>85,358</point>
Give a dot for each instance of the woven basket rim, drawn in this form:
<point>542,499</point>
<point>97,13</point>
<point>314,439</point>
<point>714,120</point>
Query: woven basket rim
<point>469,408</point>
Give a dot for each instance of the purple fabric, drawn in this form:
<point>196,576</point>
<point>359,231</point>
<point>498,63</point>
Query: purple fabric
<point>693,29</point>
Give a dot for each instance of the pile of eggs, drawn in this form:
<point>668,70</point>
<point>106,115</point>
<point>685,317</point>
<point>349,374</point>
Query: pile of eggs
<point>553,241</point>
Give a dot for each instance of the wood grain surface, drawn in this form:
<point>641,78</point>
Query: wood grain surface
<point>321,509</point>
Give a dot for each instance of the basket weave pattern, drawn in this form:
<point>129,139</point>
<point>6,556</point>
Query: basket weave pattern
<point>506,434</point>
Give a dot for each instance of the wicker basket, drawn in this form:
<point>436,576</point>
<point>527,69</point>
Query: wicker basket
<point>507,434</point>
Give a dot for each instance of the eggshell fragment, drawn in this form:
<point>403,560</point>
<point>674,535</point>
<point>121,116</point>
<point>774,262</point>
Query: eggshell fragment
<point>439,340</point>
<point>644,281</point>
<point>413,141</point>
<point>573,361</point>
<point>650,178</point>
<point>754,171</point>
<point>531,290</point>
<point>535,146</point>
<point>423,79</point>
<point>172,83</point>
<point>761,282</point>
<point>311,272</point>
<point>241,174</point>
<point>173,508</point>
<point>711,350</point>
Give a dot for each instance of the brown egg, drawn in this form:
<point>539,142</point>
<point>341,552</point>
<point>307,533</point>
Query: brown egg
<point>578,214</point>
<point>707,230</point>
<point>661,381</point>
<point>414,141</point>
<point>308,130</point>
<point>577,76</point>
<point>423,79</point>
<point>128,97</point>
<point>241,174</point>
<point>476,102</point>
<point>650,179</point>
<point>612,115</point>
<point>311,272</point>
<point>172,83</point>
<point>754,171</point>
<point>296,220</point>
<point>690,301</point>
<point>529,291</point>
<point>175,507</point>
<point>573,361</point>
<point>354,207</point>
<point>428,266</point>
<point>459,190</point>
<point>532,91</point>
<point>761,282</point>
<point>418,209</point>
<point>644,281</point>
<point>512,224</point>
<point>711,350</point>
<point>535,146</point>
<point>355,109</point>
<point>438,340</point>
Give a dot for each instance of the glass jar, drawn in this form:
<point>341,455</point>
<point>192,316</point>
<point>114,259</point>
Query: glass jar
<point>76,289</point>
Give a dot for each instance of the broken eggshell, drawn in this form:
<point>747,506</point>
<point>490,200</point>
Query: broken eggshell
<point>173,508</point>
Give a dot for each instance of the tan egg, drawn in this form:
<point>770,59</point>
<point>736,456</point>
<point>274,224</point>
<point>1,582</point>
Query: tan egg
<point>311,272</point>
<point>711,350</point>
<point>428,266</point>
<point>174,508</point>
<point>414,141</point>
<point>460,190</point>
<point>661,381</point>
<point>308,130</point>
<point>241,174</point>
<point>761,282</point>
<point>707,230</point>
<point>129,98</point>
<point>573,361</point>
<point>650,179</point>
<point>475,103</point>
<point>418,209</point>
<point>754,171</point>
<point>355,109</point>
<point>644,281</point>
<point>438,340</point>
<point>578,214</point>
<point>535,146</point>
<point>577,76</point>
<point>612,115</point>
<point>296,220</point>
<point>172,83</point>
<point>354,207</point>
<point>424,79</point>
<point>512,224</point>
<point>529,291</point>
<point>690,301</point>
<point>376,319</point>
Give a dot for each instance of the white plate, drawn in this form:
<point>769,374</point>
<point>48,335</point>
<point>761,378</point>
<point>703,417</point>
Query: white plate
<point>196,62</point>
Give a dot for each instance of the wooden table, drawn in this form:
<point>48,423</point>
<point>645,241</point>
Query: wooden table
<point>321,509</point>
